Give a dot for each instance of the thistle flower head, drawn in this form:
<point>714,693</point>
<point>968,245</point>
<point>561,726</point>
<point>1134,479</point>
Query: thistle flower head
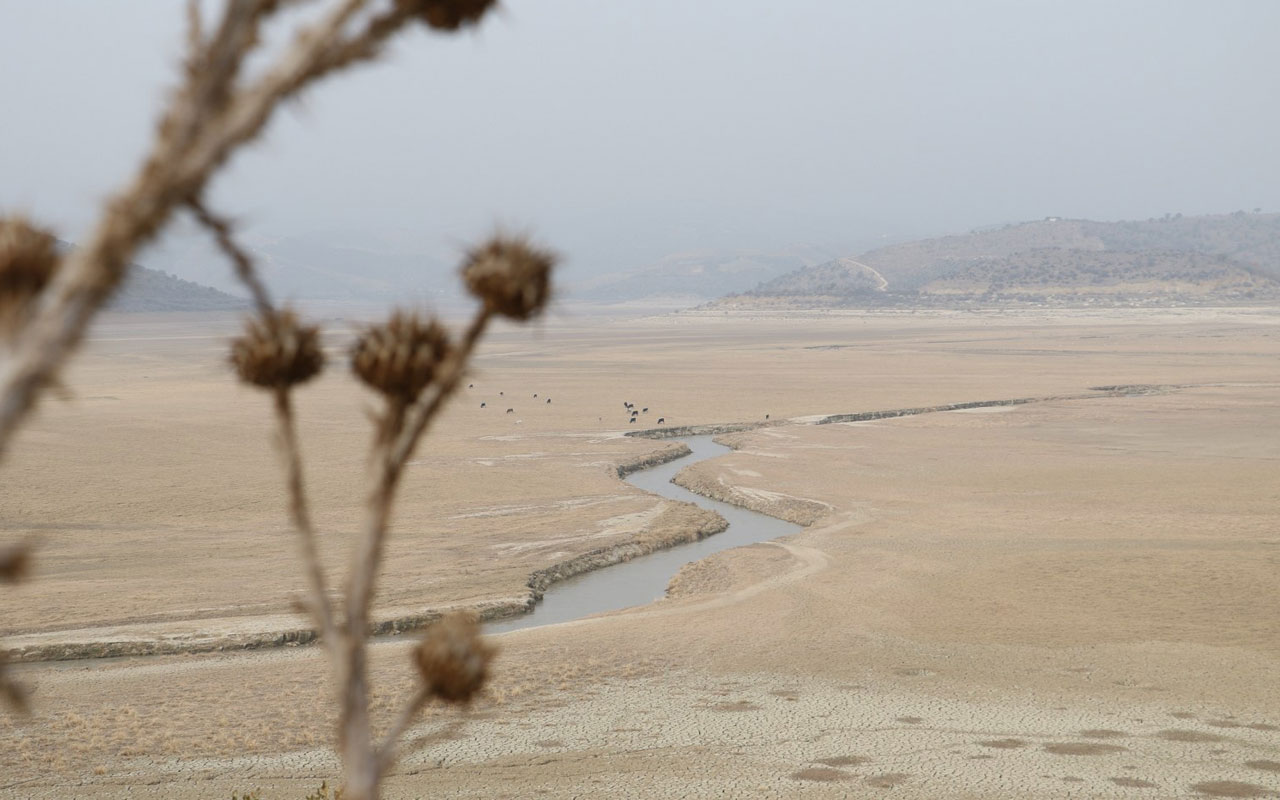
<point>15,563</point>
<point>448,15</point>
<point>453,659</point>
<point>28,259</point>
<point>510,276</point>
<point>277,351</point>
<point>401,356</point>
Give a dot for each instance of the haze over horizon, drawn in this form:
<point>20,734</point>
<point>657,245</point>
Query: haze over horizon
<point>620,134</point>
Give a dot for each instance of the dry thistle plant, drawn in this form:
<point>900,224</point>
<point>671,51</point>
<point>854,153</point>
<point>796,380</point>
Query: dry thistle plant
<point>47,302</point>
<point>415,367</point>
<point>215,110</point>
<point>28,258</point>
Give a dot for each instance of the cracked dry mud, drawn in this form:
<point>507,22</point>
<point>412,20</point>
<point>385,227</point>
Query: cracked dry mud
<point>1065,599</point>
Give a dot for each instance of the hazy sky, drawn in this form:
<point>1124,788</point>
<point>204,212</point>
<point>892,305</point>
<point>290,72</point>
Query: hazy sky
<point>621,130</point>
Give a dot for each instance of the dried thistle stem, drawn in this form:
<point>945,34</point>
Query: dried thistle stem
<point>211,115</point>
<point>247,274</point>
<point>388,749</point>
<point>207,120</point>
<point>395,454</point>
<point>300,514</point>
<point>365,762</point>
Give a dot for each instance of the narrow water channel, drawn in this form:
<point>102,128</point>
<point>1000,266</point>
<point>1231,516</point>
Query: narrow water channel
<point>643,580</point>
<point>630,583</point>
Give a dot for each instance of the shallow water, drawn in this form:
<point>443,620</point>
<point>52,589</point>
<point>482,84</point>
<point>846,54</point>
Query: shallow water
<point>630,583</point>
<point>643,580</point>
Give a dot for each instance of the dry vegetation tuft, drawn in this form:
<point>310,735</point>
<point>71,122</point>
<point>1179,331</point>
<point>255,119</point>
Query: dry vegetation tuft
<point>47,303</point>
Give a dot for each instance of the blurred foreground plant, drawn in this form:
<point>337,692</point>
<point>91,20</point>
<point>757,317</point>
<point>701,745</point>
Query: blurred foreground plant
<point>47,302</point>
<point>416,367</point>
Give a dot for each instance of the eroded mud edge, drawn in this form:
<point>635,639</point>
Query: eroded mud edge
<point>705,523</point>
<point>1123,390</point>
<point>541,579</point>
<point>805,512</point>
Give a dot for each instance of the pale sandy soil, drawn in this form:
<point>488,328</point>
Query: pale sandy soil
<point>1063,599</point>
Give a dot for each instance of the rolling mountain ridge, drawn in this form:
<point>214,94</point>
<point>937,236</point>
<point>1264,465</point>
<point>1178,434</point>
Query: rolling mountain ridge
<point>1220,259</point>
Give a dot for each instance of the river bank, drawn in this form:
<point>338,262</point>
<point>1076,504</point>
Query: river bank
<point>674,526</point>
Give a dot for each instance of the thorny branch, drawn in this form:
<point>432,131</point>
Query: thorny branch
<point>387,750</point>
<point>208,119</point>
<point>240,258</point>
<point>396,449</point>
<point>318,599</point>
<point>319,604</point>
<point>214,112</point>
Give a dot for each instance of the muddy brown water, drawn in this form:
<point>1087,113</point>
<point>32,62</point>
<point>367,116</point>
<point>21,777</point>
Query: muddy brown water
<point>643,580</point>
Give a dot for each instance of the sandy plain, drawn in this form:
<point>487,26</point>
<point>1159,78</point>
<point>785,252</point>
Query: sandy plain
<point>1068,598</point>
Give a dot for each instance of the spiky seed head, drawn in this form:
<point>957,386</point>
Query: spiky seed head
<point>28,259</point>
<point>453,659</point>
<point>448,15</point>
<point>277,351</point>
<point>401,356</point>
<point>15,563</point>
<point>510,276</point>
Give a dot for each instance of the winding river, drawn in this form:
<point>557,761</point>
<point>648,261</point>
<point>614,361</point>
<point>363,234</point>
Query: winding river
<point>637,582</point>
<point>643,580</point>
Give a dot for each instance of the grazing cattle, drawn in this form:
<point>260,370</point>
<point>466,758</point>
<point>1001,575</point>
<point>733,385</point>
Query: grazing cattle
<point>471,386</point>
<point>548,399</point>
<point>633,419</point>
<point>482,405</point>
<point>635,413</point>
<point>499,394</point>
<point>625,403</point>
<point>645,410</point>
<point>661,420</point>
<point>535,394</point>
<point>511,411</point>
<point>766,416</point>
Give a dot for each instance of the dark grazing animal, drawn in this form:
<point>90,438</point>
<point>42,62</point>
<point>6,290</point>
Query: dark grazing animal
<point>548,399</point>
<point>661,420</point>
<point>645,410</point>
<point>633,419</point>
<point>482,405</point>
<point>511,411</point>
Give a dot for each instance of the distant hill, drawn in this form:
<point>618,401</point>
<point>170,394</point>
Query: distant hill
<point>152,290</point>
<point>327,266</point>
<point>1221,259</point>
<point>695,276</point>
<point>1038,275</point>
<point>843,277</point>
<point>147,289</point>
